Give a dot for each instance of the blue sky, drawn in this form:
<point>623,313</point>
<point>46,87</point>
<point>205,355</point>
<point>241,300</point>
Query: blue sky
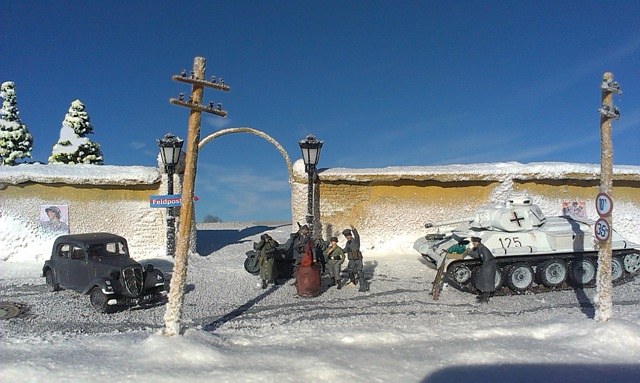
<point>382,83</point>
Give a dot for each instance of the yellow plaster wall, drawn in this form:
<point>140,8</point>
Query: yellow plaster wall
<point>623,191</point>
<point>389,210</point>
<point>121,209</point>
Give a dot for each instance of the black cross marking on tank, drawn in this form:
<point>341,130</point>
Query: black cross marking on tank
<point>517,219</point>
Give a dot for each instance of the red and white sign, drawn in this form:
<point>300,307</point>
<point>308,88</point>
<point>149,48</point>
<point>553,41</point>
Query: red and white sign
<point>602,229</point>
<point>604,204</point>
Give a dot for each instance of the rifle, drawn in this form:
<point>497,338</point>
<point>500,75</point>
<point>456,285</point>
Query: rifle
<point>437,282</point>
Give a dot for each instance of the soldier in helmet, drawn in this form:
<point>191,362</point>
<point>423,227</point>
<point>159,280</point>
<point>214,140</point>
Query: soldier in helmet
<point>335,258</point>
<point>300,239</point>
<point>486,279</point>
<point>268,248</point>
<point>352,249</point>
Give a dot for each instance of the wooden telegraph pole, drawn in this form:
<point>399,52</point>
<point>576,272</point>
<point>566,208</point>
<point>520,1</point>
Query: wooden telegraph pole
<point>197,80</point>
<point>604,201</point>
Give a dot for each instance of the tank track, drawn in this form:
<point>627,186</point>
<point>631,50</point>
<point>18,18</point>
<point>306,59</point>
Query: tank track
<point>505,264</point>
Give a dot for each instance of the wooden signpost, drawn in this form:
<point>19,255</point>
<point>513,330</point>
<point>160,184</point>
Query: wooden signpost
<point>197,80</point>
<point>604,202</point>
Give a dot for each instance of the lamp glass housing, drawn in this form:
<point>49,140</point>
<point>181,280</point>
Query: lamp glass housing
<point>170,149</point>
<point>310,148</point>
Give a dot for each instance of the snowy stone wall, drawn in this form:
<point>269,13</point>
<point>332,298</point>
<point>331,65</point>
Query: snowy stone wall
<point>113,199</point>
<point>389,206</point>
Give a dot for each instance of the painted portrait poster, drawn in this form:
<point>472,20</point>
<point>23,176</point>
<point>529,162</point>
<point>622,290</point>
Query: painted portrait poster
<point>54,219</point>
<point>574,208</point>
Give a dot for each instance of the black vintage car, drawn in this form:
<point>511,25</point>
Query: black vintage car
<point>98,264</point>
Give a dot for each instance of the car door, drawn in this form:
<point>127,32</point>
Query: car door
<point>77,271</point>
<point>62,264</point>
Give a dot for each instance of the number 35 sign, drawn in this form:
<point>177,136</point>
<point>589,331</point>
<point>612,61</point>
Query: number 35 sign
<point>602,230</point>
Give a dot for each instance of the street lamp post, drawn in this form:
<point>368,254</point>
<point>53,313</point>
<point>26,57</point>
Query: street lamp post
<point>310,148</point>
<point>308,276</point>
<point>170,149</point>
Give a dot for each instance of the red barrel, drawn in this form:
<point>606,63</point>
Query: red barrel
<point>308,281</point>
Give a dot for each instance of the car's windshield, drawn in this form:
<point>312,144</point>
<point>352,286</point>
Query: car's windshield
<point>108,249</point>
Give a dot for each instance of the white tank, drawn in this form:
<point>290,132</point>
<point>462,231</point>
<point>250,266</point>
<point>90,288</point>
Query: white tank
<point>522,238</point>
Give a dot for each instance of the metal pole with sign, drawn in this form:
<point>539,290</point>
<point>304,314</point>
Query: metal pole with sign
<point>604,202</point>
<point>170,149</point>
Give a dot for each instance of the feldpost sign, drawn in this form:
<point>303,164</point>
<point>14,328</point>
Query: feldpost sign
<point>173,200</point>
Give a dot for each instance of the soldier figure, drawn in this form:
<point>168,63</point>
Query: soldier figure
<point>299,241</point>
<point>268,247</point>
<point>335,258</point>
<point>352,249</point>
<point>486,280</point>
<point>318,254</point>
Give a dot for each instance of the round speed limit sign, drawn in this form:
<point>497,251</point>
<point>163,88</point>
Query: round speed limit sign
<point>602,230</point>
<point>604,204</point>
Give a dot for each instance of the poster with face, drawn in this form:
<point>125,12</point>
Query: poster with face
<point>574,208</point>
<point>54,219</point>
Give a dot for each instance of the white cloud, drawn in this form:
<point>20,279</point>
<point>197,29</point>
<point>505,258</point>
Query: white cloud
<point>137,145</point>
<point>241,192</point>
<point>216,121</point>
<point>571,75</point>
<point>628,119</point>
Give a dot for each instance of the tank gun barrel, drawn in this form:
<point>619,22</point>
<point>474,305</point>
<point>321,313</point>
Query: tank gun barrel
<point>449,222</point>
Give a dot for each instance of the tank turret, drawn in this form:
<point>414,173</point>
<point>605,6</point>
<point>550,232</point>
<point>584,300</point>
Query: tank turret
<point>531,249</point>
<point>518,214</point>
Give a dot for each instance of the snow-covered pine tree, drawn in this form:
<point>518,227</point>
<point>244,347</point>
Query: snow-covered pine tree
<point>15,140</point>
<point>74,147</point>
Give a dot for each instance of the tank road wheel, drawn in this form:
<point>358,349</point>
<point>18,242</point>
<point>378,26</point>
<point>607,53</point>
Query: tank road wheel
<point>617,268</point>
<point>552,273</point>
<point>582,271</point>
<point>460,274</point>
<point>498,282</point>
<point>251,265</point>
<point>498,279</point>
<point>520,277</point>
<point>99,300</point>
<point>51,284</point>
<point>631,262</point>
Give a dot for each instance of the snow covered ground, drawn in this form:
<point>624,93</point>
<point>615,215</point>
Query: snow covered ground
<point>237,332</point>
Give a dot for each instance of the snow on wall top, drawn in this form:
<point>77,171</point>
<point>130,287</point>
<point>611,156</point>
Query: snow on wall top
<point>482,171</point>
<point>78,174</point>
<point>126,175</point>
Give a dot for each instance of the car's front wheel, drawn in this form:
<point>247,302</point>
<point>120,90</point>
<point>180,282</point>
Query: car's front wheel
<point>51,284</point>
<point>99,300</point>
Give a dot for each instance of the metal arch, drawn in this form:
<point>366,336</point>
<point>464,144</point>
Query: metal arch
<point>255,132</point>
